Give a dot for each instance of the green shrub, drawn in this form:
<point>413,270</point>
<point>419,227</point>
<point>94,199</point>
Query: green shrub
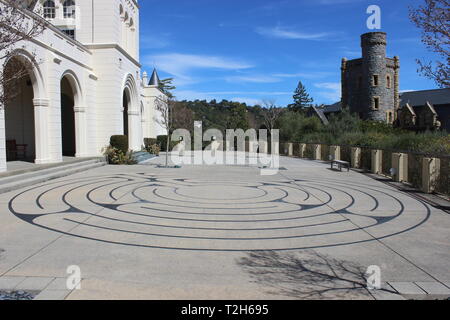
<point>149,142</point>
<point>117,156</point>
<point>162,142</point>
<point>119,142</point>
<point>154,149</point>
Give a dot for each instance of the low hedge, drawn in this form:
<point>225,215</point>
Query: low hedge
<point>162,142</point>
<point>119,142</point>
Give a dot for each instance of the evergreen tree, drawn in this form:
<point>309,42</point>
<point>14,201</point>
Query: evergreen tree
<point>301,98</point>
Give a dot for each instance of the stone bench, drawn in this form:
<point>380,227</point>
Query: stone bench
<point>340,164</point>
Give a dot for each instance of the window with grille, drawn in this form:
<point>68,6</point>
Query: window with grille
<point>69,9</point>
<point>69,32</point>
<point>49,9</point>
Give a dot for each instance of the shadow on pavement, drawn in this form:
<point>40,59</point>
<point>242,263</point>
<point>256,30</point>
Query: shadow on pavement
<point>307,275</point>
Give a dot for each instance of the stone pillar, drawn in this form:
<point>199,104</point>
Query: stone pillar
<point>356,157</point>
<point>430,174</point>
<point>290,147</point>
<point>80,132</point>
<point>133,131</point>
<point>302,150</point>
<point>41,110</point>
<point>377,160</point>
<point>2,141</point>
<point>335,152</point>
<point>317,151</point>
<point>400,165</point>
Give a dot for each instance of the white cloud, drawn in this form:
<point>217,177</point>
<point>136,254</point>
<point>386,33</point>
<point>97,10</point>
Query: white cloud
<point>253,79</point>
<point>333,90</point>
<point>279,32</point>
<point>304,75</point>
<point>179,65</point>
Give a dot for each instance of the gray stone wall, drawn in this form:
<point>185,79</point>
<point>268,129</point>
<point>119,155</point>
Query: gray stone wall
<point>359,90</point>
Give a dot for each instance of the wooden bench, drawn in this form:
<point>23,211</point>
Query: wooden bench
<point>340,164</point>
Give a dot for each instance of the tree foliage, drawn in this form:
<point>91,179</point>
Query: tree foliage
<point>433,19</point>
<point>301,98</point>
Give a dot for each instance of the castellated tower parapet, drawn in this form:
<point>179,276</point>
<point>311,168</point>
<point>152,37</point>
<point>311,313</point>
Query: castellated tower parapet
<point>370,84</point>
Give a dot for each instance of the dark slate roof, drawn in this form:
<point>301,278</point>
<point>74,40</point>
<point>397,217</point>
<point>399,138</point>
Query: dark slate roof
<point>154,80</point>
<point>420,98</point>
<point>336,107</point>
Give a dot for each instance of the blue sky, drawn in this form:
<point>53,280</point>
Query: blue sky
<point>254,50</point>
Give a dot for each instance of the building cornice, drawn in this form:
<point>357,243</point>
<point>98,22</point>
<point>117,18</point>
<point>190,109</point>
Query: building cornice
<point>94,46</point>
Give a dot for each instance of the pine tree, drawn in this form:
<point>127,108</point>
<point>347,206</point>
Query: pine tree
<point>301,98</point>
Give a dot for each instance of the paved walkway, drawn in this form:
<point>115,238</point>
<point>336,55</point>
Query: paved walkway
<point>221,232</point>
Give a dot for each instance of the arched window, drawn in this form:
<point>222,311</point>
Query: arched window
<point>49,9</point>
<point>131,23</point>
<point>121,10</point>
<point>69,9</point>
<point>388,82</point>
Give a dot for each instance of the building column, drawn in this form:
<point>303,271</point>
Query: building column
<point>41,110</point>
<point>134,132</point>
<point>80,132</point>
<point>2,141</point>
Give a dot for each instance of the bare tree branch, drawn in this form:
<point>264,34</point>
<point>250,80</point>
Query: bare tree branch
<point>434,20</point>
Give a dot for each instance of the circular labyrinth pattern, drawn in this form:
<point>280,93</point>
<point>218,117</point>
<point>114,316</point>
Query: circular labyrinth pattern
<point>152,211</point>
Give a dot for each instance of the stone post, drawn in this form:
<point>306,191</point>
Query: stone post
<point>430,174</point>
<point>302,150</point>
<point>41,120</point>
<point>290,147</point>
<point>356,157</point>
<point>335,152</point>
<point>377,160</point>
<point>317,151</point>
<point>400,165</point>
<point>2,141</point>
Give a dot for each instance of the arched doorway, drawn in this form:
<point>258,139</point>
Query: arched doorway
<point>68,118</point>
<point>19,111</point>
<point>126,107</point>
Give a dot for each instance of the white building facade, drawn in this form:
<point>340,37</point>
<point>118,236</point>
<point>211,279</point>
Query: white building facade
<point>85,86</point>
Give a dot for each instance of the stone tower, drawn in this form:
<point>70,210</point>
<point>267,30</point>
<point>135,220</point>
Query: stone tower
<point>370,84</point>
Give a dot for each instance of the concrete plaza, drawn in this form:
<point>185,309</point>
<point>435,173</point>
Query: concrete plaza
<point>222,232</point>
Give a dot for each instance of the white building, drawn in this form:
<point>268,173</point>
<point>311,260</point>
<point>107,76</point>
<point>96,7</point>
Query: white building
<point>85,85</point>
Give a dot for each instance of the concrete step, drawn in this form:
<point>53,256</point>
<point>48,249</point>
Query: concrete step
<point>18,181</point>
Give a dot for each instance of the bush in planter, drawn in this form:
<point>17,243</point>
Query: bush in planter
<point>162,142</point>
<point>117,156</point>
<point>153,149</point>
<point>119,142</point>
<point>149,142</point>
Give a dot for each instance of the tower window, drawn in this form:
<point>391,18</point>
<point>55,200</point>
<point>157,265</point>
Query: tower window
<point>388,82</point>
<point>359,82</point>
<point>376,103</point>
<point>69,9</point>
<point>375,80</point>
<point>49,9</point>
